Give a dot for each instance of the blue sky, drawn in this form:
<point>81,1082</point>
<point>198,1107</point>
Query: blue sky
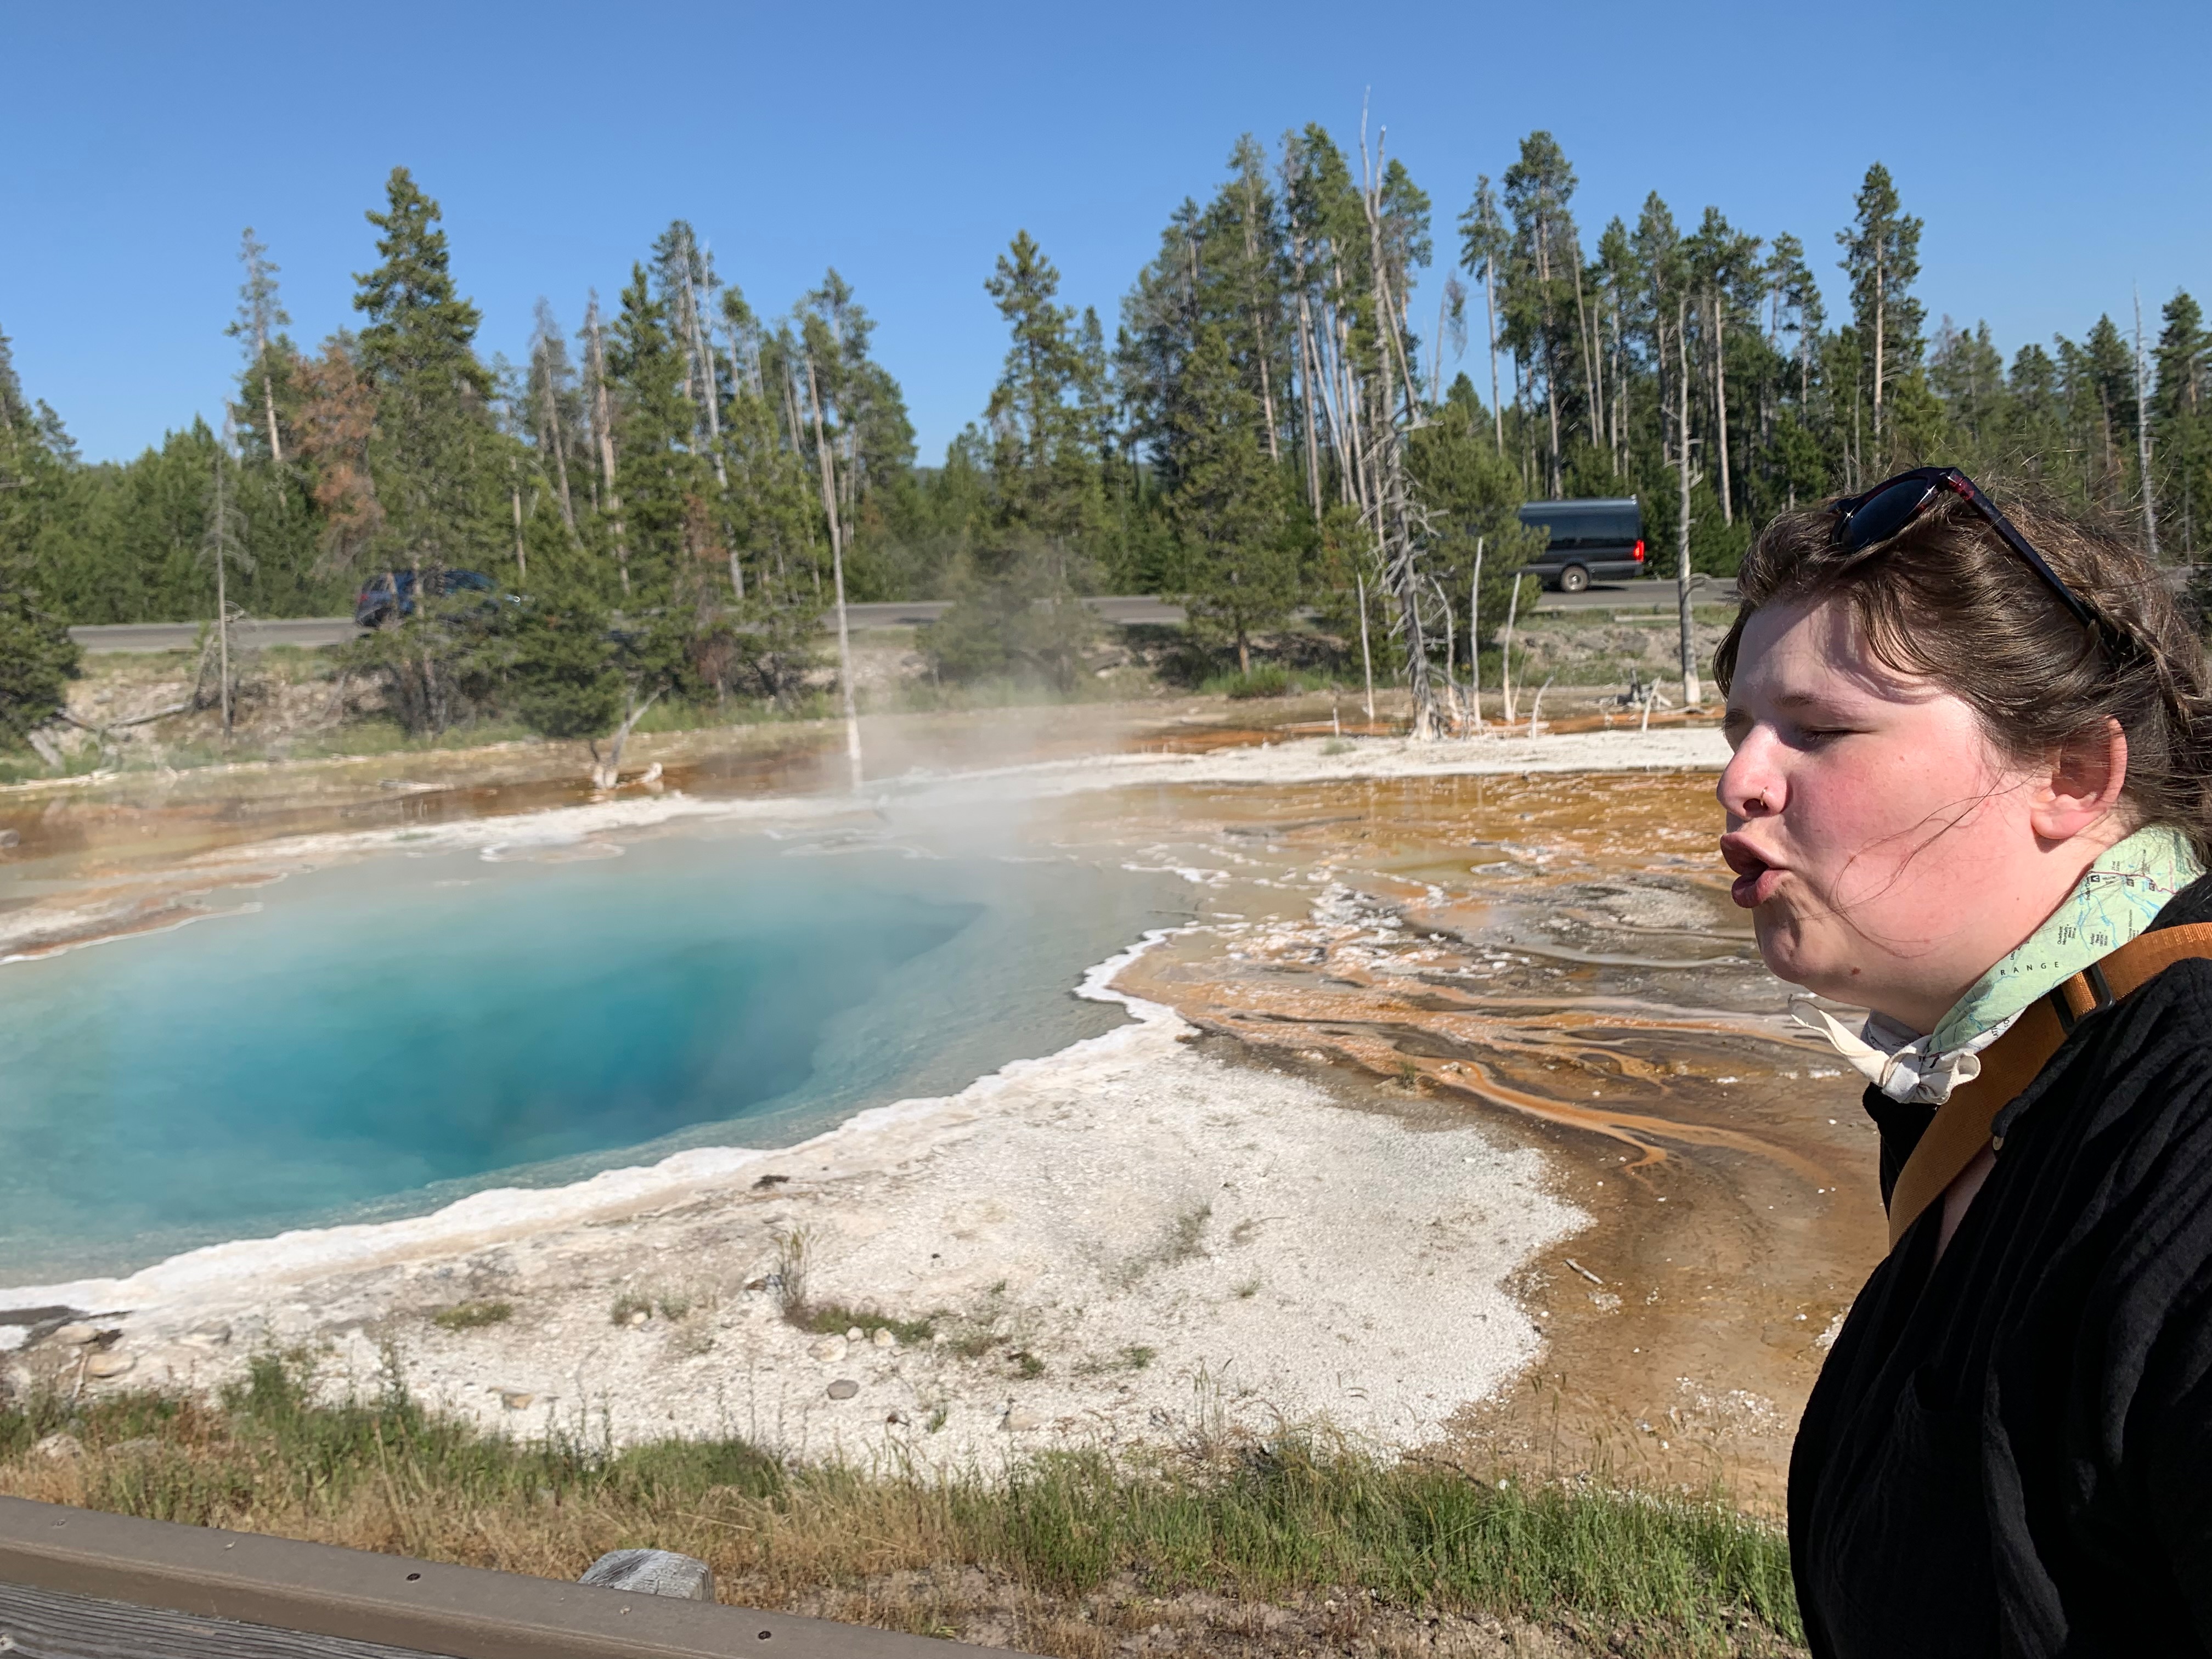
<point>2058,153</point>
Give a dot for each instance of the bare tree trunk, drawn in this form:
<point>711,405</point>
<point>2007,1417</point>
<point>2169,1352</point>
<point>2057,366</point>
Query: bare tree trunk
<point>1314,405</point>
<point>1583,339</point>
<point>1692,694</point>
<point>514,495</point>
<point>1490,304</point>
<point>268,403</point>
<point>838,569</point>
<point>1259,323</point>
<point>603,420</point>
<point>608,773</point>
<point>1505,652</point>
<point>1720,398</point>
<point>1397,522</point>
<point>221,610</point>
<point>1550,376</point>
<point>709,393</point>
<point>2143,439</point>
<point>1881,321</point>
<point>1366,659</point>
<point>1436,376</point>
<point>1474,644</point>
<point>552,417</point>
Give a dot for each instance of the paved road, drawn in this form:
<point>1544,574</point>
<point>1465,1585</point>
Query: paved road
<point>309,631</point>
<point>179,636</point>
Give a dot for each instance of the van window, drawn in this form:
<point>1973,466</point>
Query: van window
<point>1579,526</point>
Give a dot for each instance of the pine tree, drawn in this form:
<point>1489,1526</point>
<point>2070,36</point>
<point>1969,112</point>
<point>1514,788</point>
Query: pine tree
<point>656,430</point>
<point>436,456</point>
<point>1043,455</point>
<point>1881,255</point>
<point>269,354</point>
<point>1240,567</point>
<point>1543,286</point>
<point>2182,422</point>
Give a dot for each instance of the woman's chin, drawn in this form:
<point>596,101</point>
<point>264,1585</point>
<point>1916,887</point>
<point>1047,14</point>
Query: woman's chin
<point>1795,959</point>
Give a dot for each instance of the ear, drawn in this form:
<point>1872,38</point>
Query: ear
<point>2081,784</point>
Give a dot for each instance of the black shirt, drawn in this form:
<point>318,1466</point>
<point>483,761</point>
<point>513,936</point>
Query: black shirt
<point>2009,1450</point>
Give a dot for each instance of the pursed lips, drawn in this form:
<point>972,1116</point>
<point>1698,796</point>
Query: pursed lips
<point>1756,878</point>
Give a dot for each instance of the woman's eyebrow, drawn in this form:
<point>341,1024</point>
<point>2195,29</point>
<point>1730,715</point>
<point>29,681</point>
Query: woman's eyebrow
<point>1809,700</point>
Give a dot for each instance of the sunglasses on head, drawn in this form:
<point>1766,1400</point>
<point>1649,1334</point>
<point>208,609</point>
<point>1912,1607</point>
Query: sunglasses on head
<point>1863,521</point>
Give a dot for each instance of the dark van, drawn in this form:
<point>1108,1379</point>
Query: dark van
<point>1591,541</point>
<point>391,593</point>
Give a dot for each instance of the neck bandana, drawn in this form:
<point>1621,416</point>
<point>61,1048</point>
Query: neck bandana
<point>2118,897</point>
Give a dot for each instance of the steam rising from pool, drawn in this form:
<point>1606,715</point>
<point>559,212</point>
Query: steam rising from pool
<point>378,1040</point>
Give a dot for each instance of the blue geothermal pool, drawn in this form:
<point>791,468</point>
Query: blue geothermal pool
<point>378,1039</point>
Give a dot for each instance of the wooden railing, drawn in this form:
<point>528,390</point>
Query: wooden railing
<point>80,1584</point>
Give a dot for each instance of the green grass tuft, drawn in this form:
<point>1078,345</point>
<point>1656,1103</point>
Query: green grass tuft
<point>472,1316</point>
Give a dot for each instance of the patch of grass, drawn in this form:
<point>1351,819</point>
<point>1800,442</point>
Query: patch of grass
<point>974,1342</point>
<point>472,1316</point>
<point>1249,1289</point>
<point>1137,1355</point>
<point>1183,1240</point>
<point>1062,1536</point>
<point>1027,1365</point>
<point>1269,679</point>
<point>794,1256</point>
<point>835,1318</point>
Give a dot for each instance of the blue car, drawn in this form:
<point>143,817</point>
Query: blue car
<point>391,594</point>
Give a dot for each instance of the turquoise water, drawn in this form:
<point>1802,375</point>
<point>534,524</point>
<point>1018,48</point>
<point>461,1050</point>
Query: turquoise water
<point>377,1040</point>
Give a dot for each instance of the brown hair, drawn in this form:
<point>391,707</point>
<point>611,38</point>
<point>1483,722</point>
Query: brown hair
<point>1946,599</point>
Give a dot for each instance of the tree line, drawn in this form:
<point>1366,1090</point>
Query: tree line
<point>1274,421</point>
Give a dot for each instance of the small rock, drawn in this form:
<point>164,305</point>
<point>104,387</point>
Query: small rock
<point>516,1400</point>
<point>10,838</point>
<point>109,1363</point>
<point>76,1335</point>
<point>1017,1420</point>
<point>215,1336</point>
<point>58,1449</point>
<point>653,1572</point>
<point>885,1339</point>
<point>843,1388</point>
<point>635,1316</point>
<point>830,1347</point>
<point>894,1417</point>
<point>854,1334</point>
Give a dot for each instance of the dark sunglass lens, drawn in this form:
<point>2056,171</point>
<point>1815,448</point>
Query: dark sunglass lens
<point>1886,512</point>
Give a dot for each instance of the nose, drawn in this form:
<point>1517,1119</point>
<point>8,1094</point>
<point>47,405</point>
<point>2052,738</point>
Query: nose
<point>1752,785</point>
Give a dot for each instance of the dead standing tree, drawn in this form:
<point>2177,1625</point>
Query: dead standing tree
<point>1394,516</point>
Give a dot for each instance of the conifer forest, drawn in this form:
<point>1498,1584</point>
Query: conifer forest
<point>1325,390</point>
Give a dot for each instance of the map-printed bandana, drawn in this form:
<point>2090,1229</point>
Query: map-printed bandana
<point>2118,897</point>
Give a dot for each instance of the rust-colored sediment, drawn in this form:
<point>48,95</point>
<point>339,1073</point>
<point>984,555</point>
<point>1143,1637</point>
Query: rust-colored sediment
<point>1558,956</point>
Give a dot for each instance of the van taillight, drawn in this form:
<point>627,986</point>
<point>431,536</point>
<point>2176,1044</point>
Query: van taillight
<point>1639,552</point>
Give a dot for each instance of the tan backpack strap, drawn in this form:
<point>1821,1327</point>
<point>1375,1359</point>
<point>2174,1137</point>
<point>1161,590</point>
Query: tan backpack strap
<point>1960,1129</point>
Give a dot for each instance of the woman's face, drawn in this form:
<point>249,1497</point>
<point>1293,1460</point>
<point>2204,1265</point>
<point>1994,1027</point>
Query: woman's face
<point>1885,853</point>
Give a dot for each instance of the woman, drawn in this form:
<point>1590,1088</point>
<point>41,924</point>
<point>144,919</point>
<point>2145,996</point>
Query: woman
<point>1970,793</point>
